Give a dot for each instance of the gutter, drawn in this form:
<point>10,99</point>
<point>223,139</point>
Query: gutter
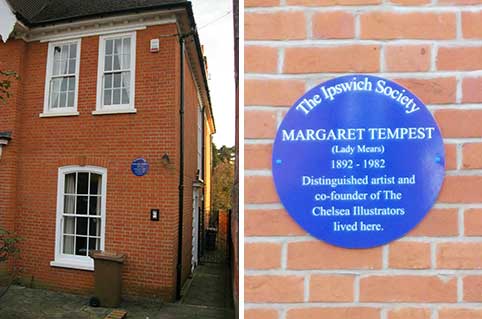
<point>182,38</point>
<point>201,58</point>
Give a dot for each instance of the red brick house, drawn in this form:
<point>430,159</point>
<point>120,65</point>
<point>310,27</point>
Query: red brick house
<point>105,85</point>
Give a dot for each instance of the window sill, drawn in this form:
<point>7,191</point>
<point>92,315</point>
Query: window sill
<point>120,111</point>
<point>59,114</point>
<point>74,265</point>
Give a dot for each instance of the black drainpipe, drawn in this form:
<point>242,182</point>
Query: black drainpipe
<point>182,38</point>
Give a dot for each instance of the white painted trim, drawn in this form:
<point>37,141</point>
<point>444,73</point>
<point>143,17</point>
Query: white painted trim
<point>48,74</point>
<point>100,108</point>
<point>99,26</point>
<point>74,265</point>
<point>102,31</point>
<point>119,111</point>
<point>70,261</point>
<point>58,114</point>
<point>196,201</point>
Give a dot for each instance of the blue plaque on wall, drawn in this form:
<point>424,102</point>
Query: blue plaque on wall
<point>139,167</point>
<point>358,161</point>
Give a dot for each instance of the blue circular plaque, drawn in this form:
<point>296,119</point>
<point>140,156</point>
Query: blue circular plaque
<point>358,161</point>
<point>139,167</point>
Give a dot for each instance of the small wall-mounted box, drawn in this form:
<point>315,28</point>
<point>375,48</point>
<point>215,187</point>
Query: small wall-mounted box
<point>155,214</point>
<point>154,45</point>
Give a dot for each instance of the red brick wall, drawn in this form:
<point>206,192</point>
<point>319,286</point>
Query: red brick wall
<point>222,236</point>
<point>110,141</point>
<point>11,57</point>
<point>433,48</point>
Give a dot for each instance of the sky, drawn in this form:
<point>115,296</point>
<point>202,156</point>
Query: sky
<point>214,20</point>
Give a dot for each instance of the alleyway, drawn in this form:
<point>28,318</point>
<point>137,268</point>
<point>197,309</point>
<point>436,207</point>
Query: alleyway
<point>209,293</point>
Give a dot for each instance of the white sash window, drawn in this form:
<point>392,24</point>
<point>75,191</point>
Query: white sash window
<point>116,73</point>
<point>62,80</point>
<point>80,215</point>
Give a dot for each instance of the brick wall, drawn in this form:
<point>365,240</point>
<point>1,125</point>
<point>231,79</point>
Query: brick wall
<point>433,48</point>
<point>28,169</point>
<point>222,236</point>
<point>10,60</point>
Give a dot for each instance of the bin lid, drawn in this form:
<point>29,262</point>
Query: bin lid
<point>107,255</point>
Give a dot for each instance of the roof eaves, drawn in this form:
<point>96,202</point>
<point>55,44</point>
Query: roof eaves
<point>167,6</point>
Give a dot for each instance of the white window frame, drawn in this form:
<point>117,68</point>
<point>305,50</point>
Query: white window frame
<point>65,111</point>
<point>73,261</point>
<point>123,108</point>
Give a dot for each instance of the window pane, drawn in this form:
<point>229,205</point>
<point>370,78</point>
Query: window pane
<point>68,245</point>
<point>117,65</point>
<point>126,45</point>
<point>81,227</point>
<point>69,225</point>
<point>64,83</point>
<point>63,99</point>
<point>117,46</point>
<point>71,66</point>
<point>95,184</point>
<point>94,227</point>
<point>54,93</point>
<point>57,50</point>
<point>73,51</point>
<point>64,66</point>
<point>94,244</point>
<point>56,84</point>
<point>54,102</point>
<point>116,96</point>
<point>117,80</point>
<point>70,99</point>
<point>126,61</point>
<point>71,83</point>
<point>64,53</point>
<point>83,183</point>
<point>69,183</point>
<point>126,79</point>
<point>81,246</point>
<point>107,97</point>
<point>108,46</point>
<point>108,63</point>
<point>69,204</point>
<point>82,205</point>
<point>94,205</point>
<point>126,51</point>
<point>56,70</point>
<point>108,81</point>
<point>125,96</point>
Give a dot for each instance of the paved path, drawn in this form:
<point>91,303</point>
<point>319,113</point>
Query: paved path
<point>26,303</point>
<point>208,297</point>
